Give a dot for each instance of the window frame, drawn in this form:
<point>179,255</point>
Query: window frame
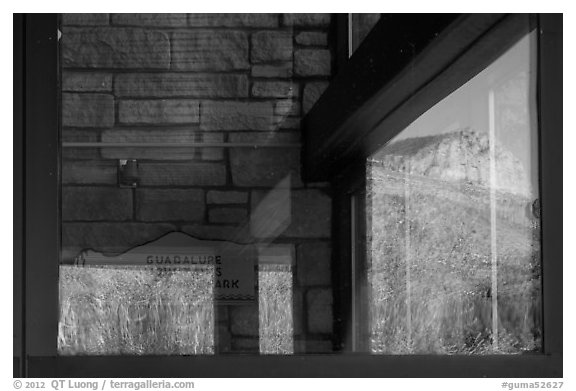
<point>337,149</point>
<point>37,236</point>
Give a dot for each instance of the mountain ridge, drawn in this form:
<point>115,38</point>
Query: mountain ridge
<point>459,156</point>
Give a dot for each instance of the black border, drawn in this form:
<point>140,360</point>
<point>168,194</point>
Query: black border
<point>18,191</point>
<point>334,366</point>
<point>550,121</point>
<point>37,156</point>
<point>41,176</point>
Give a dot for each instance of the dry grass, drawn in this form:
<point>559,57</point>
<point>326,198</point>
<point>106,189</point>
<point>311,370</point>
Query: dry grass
<point>275,309</point>
<point>130,310</point>
<point>449,255</point>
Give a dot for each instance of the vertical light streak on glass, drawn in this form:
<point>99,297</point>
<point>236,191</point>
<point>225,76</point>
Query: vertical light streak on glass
<point>350,36</point>
<point>407,255</point>
<point>355,317</point>
<point>493,244</point>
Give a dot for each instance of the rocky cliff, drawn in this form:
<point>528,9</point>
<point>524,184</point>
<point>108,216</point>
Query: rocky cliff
<point>461,156</point>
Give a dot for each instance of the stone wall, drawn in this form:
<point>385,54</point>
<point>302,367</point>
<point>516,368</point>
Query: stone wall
<point>199,78</point>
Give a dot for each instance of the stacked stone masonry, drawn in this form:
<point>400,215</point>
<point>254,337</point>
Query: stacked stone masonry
<point>199,78</point>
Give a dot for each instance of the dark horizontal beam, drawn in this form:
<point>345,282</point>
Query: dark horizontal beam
<point>178,145</point>
<point>344,365</point>
<point>406,65</point>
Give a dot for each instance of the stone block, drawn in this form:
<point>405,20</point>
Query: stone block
<point>223,339</point>
<point>319,307</point>
<point>87,110</point>
<point>273,71</point>
<point>312,38</point>
<point>110,238</point>
<point>245,345</point>
<point>170,205</point>
<point>210,50</point>
<point>265,137</point>
<point>211,154</point>
<point>277,258</point>
<point>86,82</point>
<point>275,89</point>
<point>308,214</point>
<point>306,20</point>
<point>227,215</point>
<point>150,20</point>
<point>164,135</point>
<point>96,203</point>
<point>227,197</point>
<point>244,320</point>
<point>182,174</point>
<point>85,135</point>
<point>312,92</point>
<point>311,213</point>
<point>298,311</point>
<point>171,85</point>
<point>288,123</point>
<point>159,111</point>
<point>85,19</point>
<point>312,62</point>
<point>287,107</point>
<point>121,48</point>
<point>233,20</point>
<point>264,167</point>
<point>232,115</point>
<point>313,263</point>
<point>271,46</point>
<point>89,172</point>
<point>271,212</point>
<point>236,234</point>
<point>312,346</point>
<point>80,135</point>
<point>222,316</point>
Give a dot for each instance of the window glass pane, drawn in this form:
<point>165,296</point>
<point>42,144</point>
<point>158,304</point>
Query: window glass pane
<point>186,226</point>
<point>453,221</point>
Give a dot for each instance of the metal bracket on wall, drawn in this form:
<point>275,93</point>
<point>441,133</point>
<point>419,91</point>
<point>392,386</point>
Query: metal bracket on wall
<point>127,173</point>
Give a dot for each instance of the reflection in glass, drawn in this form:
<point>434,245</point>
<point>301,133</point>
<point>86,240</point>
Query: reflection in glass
<point>110,310</point>
<point>275,309</point>
<point>187,124</point>
<point>453,240</point>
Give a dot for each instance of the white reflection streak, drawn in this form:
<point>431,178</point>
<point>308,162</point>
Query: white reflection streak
<point>408,253</point>
<point>493,248</point>
<point>273,215</point>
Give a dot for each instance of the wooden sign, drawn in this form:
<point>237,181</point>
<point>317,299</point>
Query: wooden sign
<point>233,264</point>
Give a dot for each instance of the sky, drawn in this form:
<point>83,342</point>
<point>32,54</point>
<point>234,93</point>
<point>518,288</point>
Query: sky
<point>512,80</point>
